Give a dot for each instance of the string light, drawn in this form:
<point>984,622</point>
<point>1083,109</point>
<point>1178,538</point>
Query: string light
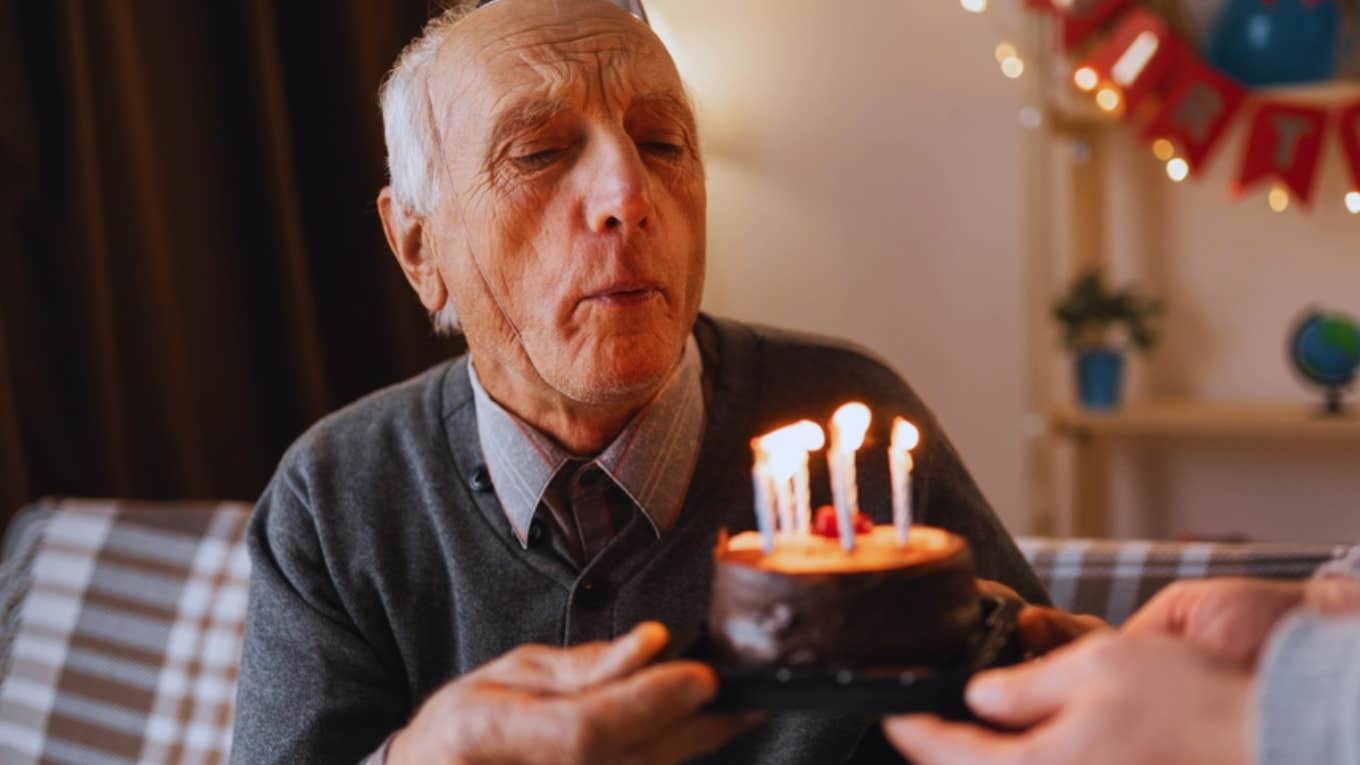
<point>1004,51</point>
<point>974,6</point>
<point>1353,202</point>
<point>1085,79</point>
<point>1163,149</point>
<point>1108,98</point>
<point>1278,199</point>
<point>1012,67</point>
<point>1177,169</point>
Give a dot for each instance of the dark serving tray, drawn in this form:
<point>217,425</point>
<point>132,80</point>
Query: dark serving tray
<point>873,692</point>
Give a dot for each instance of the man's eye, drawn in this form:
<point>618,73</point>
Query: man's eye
<point>537,159</point>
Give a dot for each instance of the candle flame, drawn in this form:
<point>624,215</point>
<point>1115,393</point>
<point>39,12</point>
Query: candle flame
<point>786,449</point>
<point>905,436</point>
<point>848,426</point>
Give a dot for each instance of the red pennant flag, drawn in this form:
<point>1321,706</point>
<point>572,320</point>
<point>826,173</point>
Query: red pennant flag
<point>1350,141</point>
<point>1197,109</point>
<point>1082,17</point>
<point>1136,58</point>
<point>1284,141</point>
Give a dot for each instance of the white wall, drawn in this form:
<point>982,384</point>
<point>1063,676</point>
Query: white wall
<point>864,163</point>
<point>864,171</point>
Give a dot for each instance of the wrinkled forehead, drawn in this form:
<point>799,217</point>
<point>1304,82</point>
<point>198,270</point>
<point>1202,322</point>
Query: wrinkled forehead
<point>582,52</point>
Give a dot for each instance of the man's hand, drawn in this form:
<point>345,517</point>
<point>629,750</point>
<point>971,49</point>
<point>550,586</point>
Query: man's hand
<point>592,703</point>
<point>1042,629</point>
<point>1112,699</point>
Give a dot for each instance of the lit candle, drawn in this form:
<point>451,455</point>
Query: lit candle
<point>905,437</point>
<point>784,453</point>
<point>764,485</point>
<point>848,426</point>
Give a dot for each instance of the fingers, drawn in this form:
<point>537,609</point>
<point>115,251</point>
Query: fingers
<point>990,587</point>
<point>548,669</point>
<point>692,738</point>
<point>1021,696</point>
<point>644,705</point>
<point>1043,629</point>
<point>1167,612</point>
<point>1333,595</point>
<point>928,740</point>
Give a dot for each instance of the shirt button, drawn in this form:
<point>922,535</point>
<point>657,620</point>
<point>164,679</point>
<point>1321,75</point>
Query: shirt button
<point>536,532</point>
<point>480,480</point>
<point>591,594</point>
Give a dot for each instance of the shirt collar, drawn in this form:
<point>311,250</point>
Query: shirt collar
<point>652,459</point>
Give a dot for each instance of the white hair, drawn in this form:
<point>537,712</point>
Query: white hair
<point>413,163</point>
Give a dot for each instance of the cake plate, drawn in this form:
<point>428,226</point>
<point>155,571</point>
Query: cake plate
<point>876,691</point>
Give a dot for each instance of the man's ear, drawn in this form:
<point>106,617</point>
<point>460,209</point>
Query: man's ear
<point>406,238</point>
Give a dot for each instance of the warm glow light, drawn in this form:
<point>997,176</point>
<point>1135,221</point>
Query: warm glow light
<point>1278,199</point>
<point>848,426</point>
<point>1353,202</point>
<point>1177,169</point>
<point>787,447</point>
<point>1004,51</point>
<point>1163,149</point>
<point>1108,98</point>
<point>905,436</point>
<point>976,6</point>
<point>1086,79</point>
<point>1012,67</point>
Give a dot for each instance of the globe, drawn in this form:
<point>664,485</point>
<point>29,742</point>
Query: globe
<point>1325,349</point>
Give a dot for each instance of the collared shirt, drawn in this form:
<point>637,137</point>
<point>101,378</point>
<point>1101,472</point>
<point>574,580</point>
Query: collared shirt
<point>651,460</point>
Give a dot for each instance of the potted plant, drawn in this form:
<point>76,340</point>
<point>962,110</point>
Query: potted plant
<point>1090,314</point>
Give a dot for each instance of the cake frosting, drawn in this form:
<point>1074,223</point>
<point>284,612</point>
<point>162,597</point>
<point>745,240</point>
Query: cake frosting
<point>808,602</point>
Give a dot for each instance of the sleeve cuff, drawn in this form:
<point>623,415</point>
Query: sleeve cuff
<point>1308,693</point>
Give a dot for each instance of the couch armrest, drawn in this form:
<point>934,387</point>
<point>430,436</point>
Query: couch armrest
<point>1112,578</point>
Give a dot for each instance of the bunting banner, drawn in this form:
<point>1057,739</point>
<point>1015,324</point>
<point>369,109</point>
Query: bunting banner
<point>1349,125</point>
<point>1136,67</point>
<point>1198,107</point>
<point>1081,18</point>
<point>1134,60</point>
<point>1284,141</point>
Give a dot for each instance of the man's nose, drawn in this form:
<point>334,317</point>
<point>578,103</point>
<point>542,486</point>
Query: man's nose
<point>618,198</point>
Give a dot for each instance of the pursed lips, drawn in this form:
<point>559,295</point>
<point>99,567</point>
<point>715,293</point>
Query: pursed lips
<point>624,293</point>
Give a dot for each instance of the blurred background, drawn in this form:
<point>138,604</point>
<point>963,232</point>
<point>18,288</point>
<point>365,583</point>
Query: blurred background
<point>193,270</point>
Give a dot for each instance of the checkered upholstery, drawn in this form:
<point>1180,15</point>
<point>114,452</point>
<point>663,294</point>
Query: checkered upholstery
<point>121,623</point>
<point>1111,579</point>
<point>126,625</point>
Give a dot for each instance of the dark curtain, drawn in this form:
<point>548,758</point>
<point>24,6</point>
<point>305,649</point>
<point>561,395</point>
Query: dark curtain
<point>192,269</point>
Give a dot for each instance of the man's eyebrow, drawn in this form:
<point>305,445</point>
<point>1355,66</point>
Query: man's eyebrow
<point>523,116</point>
<point>667,104</point>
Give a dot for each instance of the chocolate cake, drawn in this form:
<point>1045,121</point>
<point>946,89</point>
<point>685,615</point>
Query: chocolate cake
<point>810,603</point>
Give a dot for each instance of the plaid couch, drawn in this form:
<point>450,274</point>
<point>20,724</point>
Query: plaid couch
<point>120,623</point>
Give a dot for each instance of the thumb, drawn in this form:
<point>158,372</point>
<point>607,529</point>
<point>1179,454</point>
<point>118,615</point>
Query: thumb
<point>1024,695</point>
<point>552,670</point>
<point>587,666</point>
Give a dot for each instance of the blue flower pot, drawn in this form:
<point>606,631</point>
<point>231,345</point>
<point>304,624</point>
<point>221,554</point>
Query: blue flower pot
<point>1100,376</point>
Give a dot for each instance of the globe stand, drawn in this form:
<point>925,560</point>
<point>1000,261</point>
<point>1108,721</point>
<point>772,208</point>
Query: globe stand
<point>1333,408</point>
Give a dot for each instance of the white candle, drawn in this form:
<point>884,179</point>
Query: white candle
<point>764,485</point>
<point>784,453</point>
<point>848,426</point>
<point>905,437</point>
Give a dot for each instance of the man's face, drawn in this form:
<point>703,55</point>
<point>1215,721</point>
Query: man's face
<point>570,232</point>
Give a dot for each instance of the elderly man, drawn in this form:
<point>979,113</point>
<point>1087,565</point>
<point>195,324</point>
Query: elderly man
<point>454,570</point>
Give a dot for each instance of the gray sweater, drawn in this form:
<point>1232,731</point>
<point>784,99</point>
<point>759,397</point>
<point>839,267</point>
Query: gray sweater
<point>383,566</point>
<point>1308,693</point>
